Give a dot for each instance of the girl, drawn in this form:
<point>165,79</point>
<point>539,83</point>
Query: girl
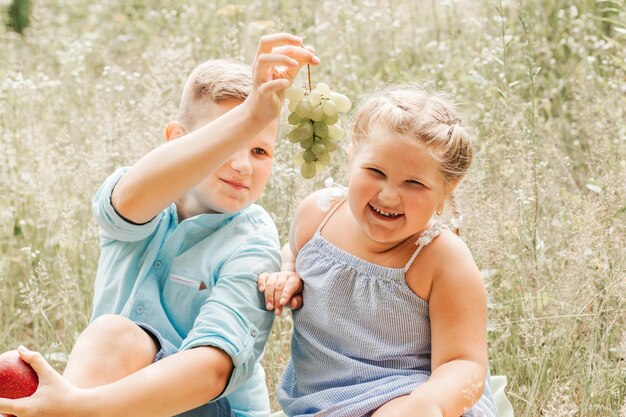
<point>394,316</point>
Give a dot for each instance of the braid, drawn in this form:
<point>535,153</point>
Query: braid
<point>457,218</point>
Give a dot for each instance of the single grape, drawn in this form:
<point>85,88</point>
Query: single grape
<point>323,159</point>
<point>322,88</point>
<point>342,102</point>
<point>305,130</point>
<point>303,109</point>
<point>294,93</point>
<point>298,159</point>
<point>292,106</point>
<point>330,109</point>
<point>320,129</point>
<point>331,146</point>
<point>307,143</point>
<point>308,170</point>
<point>317,113</point>
<point>308,156</point>
<point>293,136</point>
<point>294,119</point>
<point>317,149</point>
<point>334,132</point>
<point>315,98</point>
<point>331,120</point>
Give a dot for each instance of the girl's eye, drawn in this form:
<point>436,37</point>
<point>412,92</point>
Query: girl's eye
<point>415,182</point>
<point>376,171</point>
<point>259,151</point>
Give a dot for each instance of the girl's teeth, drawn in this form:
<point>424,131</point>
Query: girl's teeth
<point>384,213</point>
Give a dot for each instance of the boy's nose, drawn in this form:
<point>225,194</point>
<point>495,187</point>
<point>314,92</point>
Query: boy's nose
<point>240,162</point>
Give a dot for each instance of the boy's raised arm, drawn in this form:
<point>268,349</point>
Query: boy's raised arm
<point>172,169</point>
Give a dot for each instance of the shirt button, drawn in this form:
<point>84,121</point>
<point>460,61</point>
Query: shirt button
<point>139,309</point>
<point>157,264</point>
<point>253,332</point>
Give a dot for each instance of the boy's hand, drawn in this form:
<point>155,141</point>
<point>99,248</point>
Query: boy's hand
<point>55,396</point>
<point>281,289</point>
<point>278,60</point>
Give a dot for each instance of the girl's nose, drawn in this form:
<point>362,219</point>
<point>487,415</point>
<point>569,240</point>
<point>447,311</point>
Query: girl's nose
<point>389,196</point>
<point>240,162</point>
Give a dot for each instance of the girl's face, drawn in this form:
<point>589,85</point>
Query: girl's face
<point>395,186</point>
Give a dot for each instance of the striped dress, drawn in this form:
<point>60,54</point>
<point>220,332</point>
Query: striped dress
<point>362,337</point>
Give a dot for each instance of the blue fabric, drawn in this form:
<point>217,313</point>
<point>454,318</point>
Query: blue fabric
<point>361,339</point>
<point>194,282</point>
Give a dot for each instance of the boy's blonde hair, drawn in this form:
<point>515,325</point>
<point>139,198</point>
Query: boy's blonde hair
<point>212,82</point>
<point>429,117</point>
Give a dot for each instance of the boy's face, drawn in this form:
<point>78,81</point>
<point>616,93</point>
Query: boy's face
<point>240,181</point>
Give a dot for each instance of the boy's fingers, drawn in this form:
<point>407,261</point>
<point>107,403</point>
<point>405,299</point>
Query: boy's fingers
<point>273,59</point>
<point>302,55</point>
<point>274,86</point>
<point>268,42</point>
<point>35,360</point>
<point>278,310</point>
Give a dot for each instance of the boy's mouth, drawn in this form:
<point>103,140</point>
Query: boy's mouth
<point>385,215</point>
<point>234,184</point>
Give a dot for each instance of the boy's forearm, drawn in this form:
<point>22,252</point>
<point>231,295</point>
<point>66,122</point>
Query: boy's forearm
<point>169,171</point>
<point>171,386</point>
<point>453,387</point>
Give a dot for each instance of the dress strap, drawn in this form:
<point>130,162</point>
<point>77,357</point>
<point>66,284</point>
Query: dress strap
<point>329,215</point>
<point>425,238</point>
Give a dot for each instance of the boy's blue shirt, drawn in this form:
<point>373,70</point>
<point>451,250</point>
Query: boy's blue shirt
<point>195,282</point>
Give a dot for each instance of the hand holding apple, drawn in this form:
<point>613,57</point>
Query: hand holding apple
<point>17,378</point>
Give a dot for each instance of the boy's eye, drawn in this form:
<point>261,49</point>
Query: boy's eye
<point>259,151</point>
<point>415,182</point>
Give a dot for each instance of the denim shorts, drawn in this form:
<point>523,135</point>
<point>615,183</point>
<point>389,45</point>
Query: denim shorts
<point>219,408</point>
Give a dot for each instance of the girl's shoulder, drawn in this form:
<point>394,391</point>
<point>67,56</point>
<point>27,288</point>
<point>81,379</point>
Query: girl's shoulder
<point>312,211</point>
<point>445,261</point>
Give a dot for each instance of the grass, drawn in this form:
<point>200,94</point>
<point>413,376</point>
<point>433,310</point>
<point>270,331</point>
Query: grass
<point>90,86</point>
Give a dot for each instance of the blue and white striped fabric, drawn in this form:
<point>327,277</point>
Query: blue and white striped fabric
<point>361,339</point>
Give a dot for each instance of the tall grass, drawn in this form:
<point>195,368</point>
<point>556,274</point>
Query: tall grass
<point>543,84</point>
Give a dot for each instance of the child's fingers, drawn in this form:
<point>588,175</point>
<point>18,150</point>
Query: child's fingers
<point>291,287</point>
<point>269,292</point>
<point>261,281</point>
<point>274,86</point>
<point>268,42</point>
<point>302,55</point>
<point>36,361</point>
<point>296,302</point>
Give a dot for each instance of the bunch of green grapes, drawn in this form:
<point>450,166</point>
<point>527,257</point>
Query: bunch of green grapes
<point>314,113</point>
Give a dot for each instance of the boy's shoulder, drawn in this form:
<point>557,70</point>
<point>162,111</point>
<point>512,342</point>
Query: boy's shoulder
<point>257,222</point>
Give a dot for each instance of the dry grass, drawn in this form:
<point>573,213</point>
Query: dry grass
<point>543,84</point>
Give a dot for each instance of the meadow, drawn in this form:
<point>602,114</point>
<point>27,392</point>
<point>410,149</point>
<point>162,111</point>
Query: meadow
<point>542,85</point>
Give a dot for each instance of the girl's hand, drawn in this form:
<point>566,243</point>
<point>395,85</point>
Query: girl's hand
<point>278,60</point>
<point>54,397</point>
<point>407,407</point>
<point>281,289</point>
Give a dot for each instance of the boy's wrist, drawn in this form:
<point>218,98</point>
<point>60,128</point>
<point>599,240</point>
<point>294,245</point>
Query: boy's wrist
<point>288,266</point>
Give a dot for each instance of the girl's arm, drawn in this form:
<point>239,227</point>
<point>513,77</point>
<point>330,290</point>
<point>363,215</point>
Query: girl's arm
<point>458,319</point>
<point>285,287</point>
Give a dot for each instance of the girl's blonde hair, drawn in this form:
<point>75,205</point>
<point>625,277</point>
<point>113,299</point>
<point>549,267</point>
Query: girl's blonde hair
<point>430,118</point>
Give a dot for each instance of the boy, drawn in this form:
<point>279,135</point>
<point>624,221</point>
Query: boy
<point>177,318</point>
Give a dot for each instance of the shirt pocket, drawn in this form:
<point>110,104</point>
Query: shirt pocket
<point>184,294</point>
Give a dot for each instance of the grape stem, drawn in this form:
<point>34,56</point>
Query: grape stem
<point>308,68</point>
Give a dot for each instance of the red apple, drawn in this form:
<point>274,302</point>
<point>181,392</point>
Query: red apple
<point>17,378</point>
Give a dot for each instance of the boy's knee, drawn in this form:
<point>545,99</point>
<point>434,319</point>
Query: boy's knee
<point>117,334</point>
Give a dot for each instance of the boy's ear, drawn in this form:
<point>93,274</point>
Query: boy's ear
<point>174,130</point>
